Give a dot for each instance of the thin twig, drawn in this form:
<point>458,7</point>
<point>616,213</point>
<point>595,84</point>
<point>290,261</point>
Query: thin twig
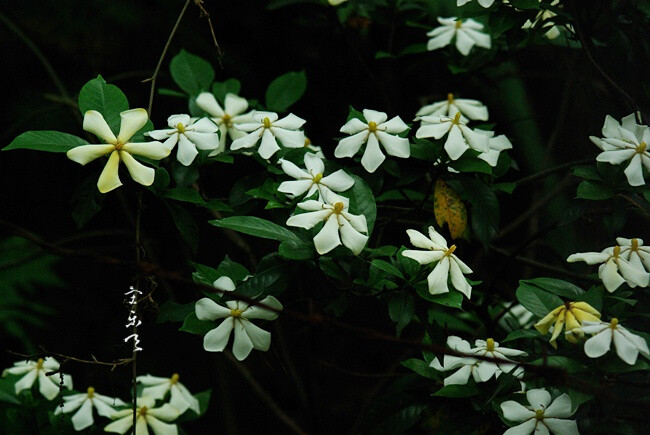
<point>206,15</point>
<point>549,171</point>
<point>95,361</point>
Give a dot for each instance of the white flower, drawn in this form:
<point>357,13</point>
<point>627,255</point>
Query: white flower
<point>374,131</point>
<point>316,149</point>
<point>460,137</point>
<point>232,113</point>
<point>157,388</point>
<point>491,348</point>
<point>484,3</point>
<point>119,148</point>
<point>147,415</point>
<point>448,264</point>
<point>312,179</point>
<point>237,316</point>
<point>340,225</point>
<point>190,134</point>
<point>466,365</point>
<point>635,253</point>
<point>543,18</point>
<point>469,109</point>
<point>627,345</point>
<point>541,416</point>
<point>47,385</point>
<point>267,127</point>
<point>613,263</point>
<point>85,402</point>
<point>495,145</point>
<point>467,33</point>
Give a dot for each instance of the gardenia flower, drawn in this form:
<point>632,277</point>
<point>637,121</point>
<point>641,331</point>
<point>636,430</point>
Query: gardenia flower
<point>157,388</point>
<point>466,365</point>
<point>495,145</point>
<point>448,265</point>
<point>491,348</point>
<point>613,263</point>
<point>190,134</point>
<point>484,3</point>
<point>467,33</point>
<point>635,253</point>
<point>147,415</point>
<point>622,142</point>
<point>571,313</point>
<point>119,148</point>
<point>544,17</point>
<point>469,109</point>
<point>460,137</point>
<point>232,113</point>
<point>312,179</point>
<point>47,385</point>
<point>237,316</point>
<point>374,131</point>
<point>267,127</point>
<point>341,226</point>
<point>85,402</point>
<point>541,416</point>
<point>627,345</point>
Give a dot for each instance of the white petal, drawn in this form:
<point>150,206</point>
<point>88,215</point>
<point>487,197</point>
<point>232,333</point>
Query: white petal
<point>455,144</point>
<point>394,126</point>
<point>26,381</point>
<point>464,42</point>
<point>525,428</point>
<point>434,130</point>
<point>473,109</point>
<point>374,116</point>
<point>71,403</point>
<point>634,171</point>
<point>224,283</point>
<point>290,139</point>
<point>295,187</point>
<point>314,164</point>
<point>290,122</point>
<point>339,181</point>
<point>608,273</point>
<point>308,220</point>
<point>84,417</point>
<point>157,391</point>
<point>242,345</point>
<point>247,141</point>
<point>563,427</point>
<point>635,276</point>
<point>441,39</point>
<point>217,339</point>
<point>481,39</point>
<point>351,238</point>
<point>372,156</point>
<point>259,312</point>
<point>160,428</point>
<point>47,386</point>
<point>437,239</point>
<point>260,338</point>
<point>235,104</point>
<point>460,377</point>
<point>615,157</point>
<point>203,140</point>
<point>354,126</point>
<point>207,309</point>
<point>486,370</point>
<point>419,240</point>
<point>109,178</point>
<point>458,280</point>
<point>132,121</point>
<point>463,267</point>
<point>269,146</point>
<point>560,408</point>
<point>625,349</point>
<point>589,257</point>
<point>87,153</point>
<point>122,425</point>
<point>328,237</point>
<point>150,150</point>
<point>207,102</point>
<point>515,411</point>
<point>180,392</point>
<point>139,172</point>
<point>394,145</point>
<point>349,146</point>
<point>538,398</point>
<point>95,123</point>
<point>599,344</point>
<point>186,151</point>
<point>103,408</point>
<point>423,257</point>
<point>437,279</point>
<point>358,222</point>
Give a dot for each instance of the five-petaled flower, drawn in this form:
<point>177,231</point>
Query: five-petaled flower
<point>237,316</point>
<point>119,148</point>
<point>469,109</point>
<point>625,141</point>
<point>190,135</point>
<point>374,131</point>
<point>460,137</point>
<point>146,415</point>
<point>448,265</point>
<point>467,32</point>
<point>85,402</point>
<point>491,348</point>
<point>541,416</point>
<point>612,262</point>
<point>466,365</point>
<point>341,226</point>
<point>48,385</point>
<point>233,112</point>
<point>308,181</point>
<point>157,387</point>
<point>628,345</point>
<point>267,127</point>
<point>571,313</point>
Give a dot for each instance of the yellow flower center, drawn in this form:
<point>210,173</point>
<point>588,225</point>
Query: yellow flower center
<point>450,98</point>
<point>614,323</point>
<point>180,127</point>
<point>91,392</point>
<point>450,251</point>
<point>372,126</point>
<point>142,412</point>
<point>539,414</point>
<point>317,178</point>
<point>617,251</point>
<point>118,145</point>
<point>635,245</point>
<point>236,313</point>
<point>307,142</point>
<point>226,119</point>
<point>39,363</point>
<point>458,24</point>
<point>641,148</point>
<point>338,207</point>
<point>490,345</point>
<point>174,379</point>
<point>456,118</point>
<point>267,123</point>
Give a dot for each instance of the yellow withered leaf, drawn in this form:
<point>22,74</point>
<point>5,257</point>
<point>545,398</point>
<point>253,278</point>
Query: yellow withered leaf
<point>448,208</point>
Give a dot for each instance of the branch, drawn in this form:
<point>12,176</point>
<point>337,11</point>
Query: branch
<point>44,352</point>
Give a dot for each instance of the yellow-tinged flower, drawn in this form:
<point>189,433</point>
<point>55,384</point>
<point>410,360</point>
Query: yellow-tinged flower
<point>570,313</point>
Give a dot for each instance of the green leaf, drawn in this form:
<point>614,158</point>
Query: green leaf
<point>232,269</point>
<point>457,391</point>
<point>470,163</point>
<point>191,73</point>
<point>387,267</point>
<point>452,298</point>
<point>185,194</point>
<point>260,282</point>
<point>86,201</point>
<point>362,201</point>
<point>420,367</point>
<point>401,310</point>
<point>593,191</point>
<point>484,216</point>
<point>593,296</point>
<point>204,400</point>
<point>522,333</point>
<point>171,311</point>
<point>104,98</point>
<point>587,172</point>
<point>195,326</point>
<point>185,224</point>
<point>570,365</point>
<point>45,140</point>
<point>295,250</point>
<point>258,227</point>
<point>230,86</point>
<point>285,90</point>
<point>556,286</point>
<point>536,300</point>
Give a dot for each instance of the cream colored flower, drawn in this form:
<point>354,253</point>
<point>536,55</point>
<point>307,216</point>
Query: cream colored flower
<point>147,416</point>
<point>467,33</point>
<point>48,385</point>
<point>119,148</point>
<point>84,403</point>
<point>469,109</point>
<point>312,178</point>
<point>157,387</point>
<point>628,345</point>
<point>234,111</point>
<point>190,135</point>
<point>267,128</point>
<point>570,313</point>
<point>542,416</point>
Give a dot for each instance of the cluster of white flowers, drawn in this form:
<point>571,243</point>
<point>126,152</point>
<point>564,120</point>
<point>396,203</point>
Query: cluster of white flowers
<point>450,117</point>
<point>628,262</point>
<point>51,382</point>
<point>625,141</point>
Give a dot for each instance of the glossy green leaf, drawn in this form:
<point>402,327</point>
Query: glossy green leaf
<point>107,99</point>
<point>45,140</point>
<point>258,227</point>
<point>285,91</point>
<point>537,301</point>
<point>191,73</point>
